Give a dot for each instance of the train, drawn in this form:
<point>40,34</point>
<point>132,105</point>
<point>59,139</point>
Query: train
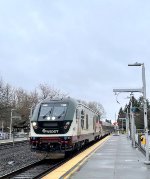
<point>62,125</point>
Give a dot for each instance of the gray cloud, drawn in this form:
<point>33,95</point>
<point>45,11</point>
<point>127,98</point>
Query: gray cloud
<point>80,47</point>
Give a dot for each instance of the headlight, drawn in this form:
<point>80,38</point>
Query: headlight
<point>34,124</point>
<point>66,125</point>
<point>53,118</point>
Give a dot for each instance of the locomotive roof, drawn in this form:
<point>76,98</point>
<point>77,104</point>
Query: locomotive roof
<point>64,100</point>
<point>69,100</point>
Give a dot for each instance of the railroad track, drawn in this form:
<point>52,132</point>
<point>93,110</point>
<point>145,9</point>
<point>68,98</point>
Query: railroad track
<point>34,170</point>
<point>38,169</point>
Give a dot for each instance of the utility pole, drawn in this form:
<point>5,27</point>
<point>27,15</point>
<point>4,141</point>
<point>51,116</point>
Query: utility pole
<point>131,113</point>
<point>132,122</point>
<point>122,121</point>
<point>2,127</point>
<point>145,115</point>
<point>145,109</point>
<point>143,90</point>
<point>127,123</point>
<point>11,118</point>
<point>10,128</point>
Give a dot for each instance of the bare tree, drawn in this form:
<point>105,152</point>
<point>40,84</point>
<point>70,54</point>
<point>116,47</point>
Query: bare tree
<point>47,91</point>
<point>34,98</point>
<point>22,100</point>
<point>6,102</point>
<point>97,107</point>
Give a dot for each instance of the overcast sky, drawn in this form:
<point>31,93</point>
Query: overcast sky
<point>81,47</point>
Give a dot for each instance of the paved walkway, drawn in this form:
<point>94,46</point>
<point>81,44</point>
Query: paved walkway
<point>116,159</point>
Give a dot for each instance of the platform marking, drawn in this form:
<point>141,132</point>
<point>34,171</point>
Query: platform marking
<point>80,163</point>
<point>67,169</point>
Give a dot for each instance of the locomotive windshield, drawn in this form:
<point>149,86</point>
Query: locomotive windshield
<point>52,112</point>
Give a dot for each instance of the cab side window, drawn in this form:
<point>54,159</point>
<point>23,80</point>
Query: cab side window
<point>77,114</point>
<point>87,125</point>
<point>82,118</point>
<point>94,122</point>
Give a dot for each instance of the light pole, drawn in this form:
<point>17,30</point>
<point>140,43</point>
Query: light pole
<point>132,122</point>
<point>11,117</point>
<point>131,116</point>
<point>145,109</point>
<point>2,127</point>
<point>127,122</point>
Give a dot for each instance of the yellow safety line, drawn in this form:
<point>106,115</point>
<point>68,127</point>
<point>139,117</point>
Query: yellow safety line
<point>67,169</point>
<point>84,159</point>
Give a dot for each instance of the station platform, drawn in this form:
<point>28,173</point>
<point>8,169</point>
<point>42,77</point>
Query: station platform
<point>115,159</point>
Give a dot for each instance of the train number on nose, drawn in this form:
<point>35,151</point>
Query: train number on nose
<point>50,131</point>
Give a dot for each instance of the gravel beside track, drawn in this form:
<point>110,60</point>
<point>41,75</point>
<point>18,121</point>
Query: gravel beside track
<point>16,157</point>
<point>10,144</point>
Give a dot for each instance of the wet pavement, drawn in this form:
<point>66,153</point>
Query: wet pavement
<point>116,159</point>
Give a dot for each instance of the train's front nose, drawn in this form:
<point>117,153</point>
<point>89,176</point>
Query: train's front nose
<point>51,144</point>
<point>52,119</point>
<point>51,127</point>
